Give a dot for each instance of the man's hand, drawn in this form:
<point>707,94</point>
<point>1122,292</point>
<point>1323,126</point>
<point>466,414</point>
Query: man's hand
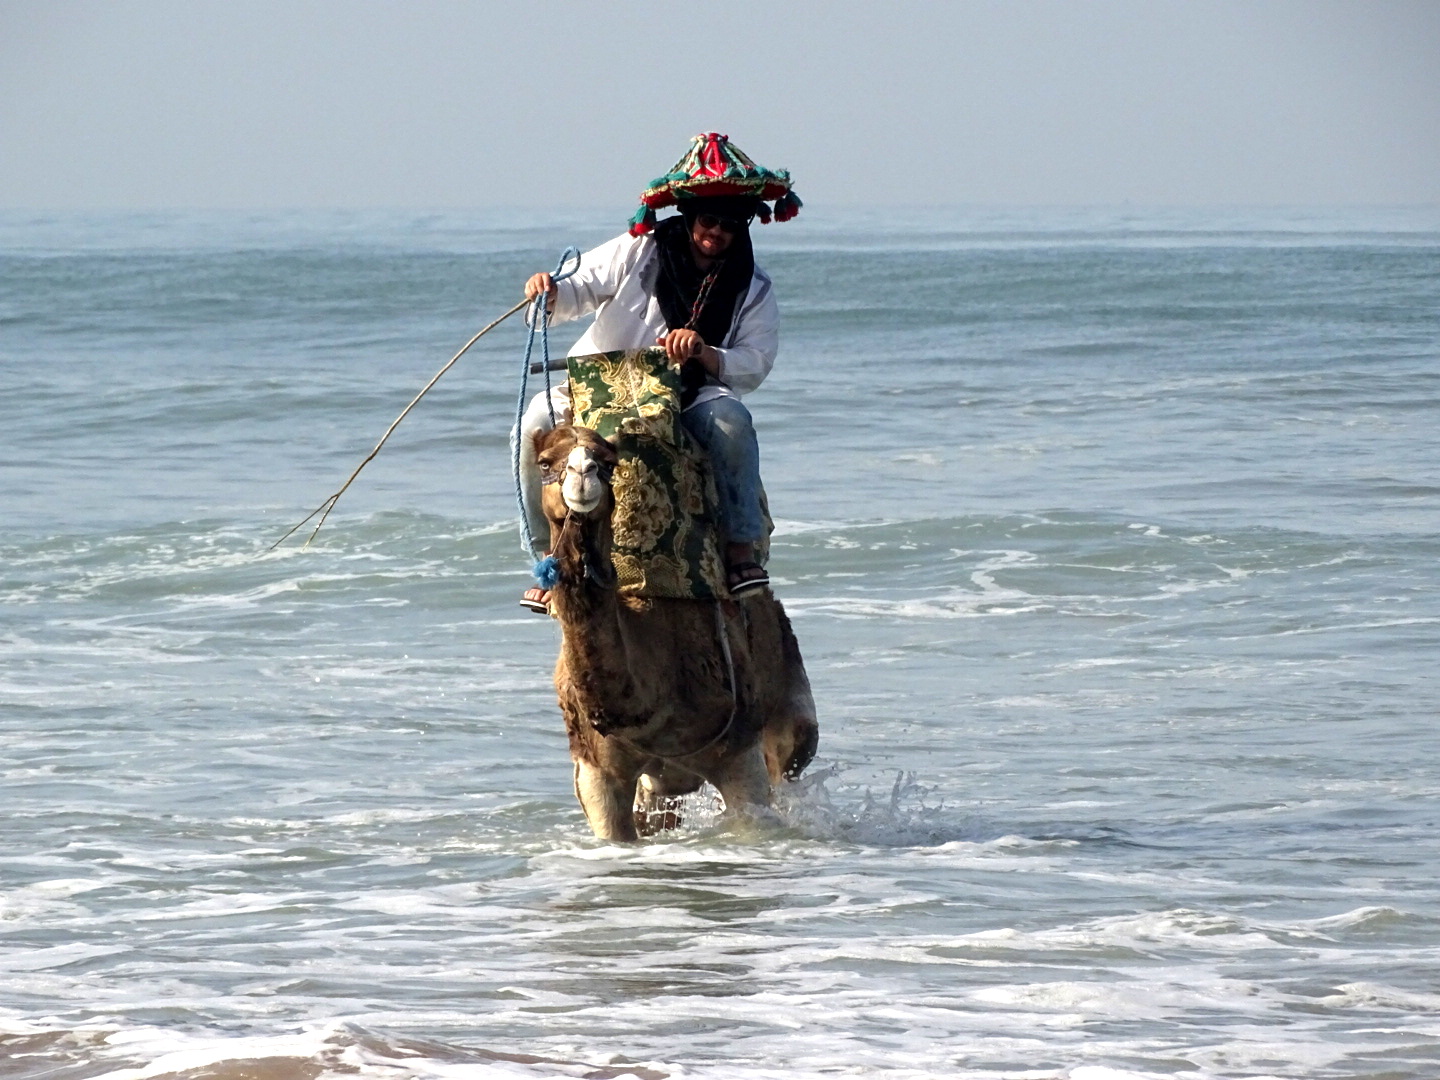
<point>681,345</point>
<point>541,282</point>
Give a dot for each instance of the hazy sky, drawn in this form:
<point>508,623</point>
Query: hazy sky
<point>431,103</point>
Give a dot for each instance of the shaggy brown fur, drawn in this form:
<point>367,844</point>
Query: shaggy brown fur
<point>643,683</point>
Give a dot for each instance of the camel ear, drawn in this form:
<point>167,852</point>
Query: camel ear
<point>606,444</point>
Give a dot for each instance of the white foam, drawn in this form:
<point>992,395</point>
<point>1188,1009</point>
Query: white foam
<point>66,886</point>
<point>171,1052</point>
<point>55,956</point>
<point>1361,918</point>
<point>1371,995</point>
<point>1106,1072</point>
<point>793,527</point>
<point>953,604</point>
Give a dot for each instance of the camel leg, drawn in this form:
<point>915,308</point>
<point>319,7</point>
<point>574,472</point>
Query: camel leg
<point>791,734</point>
<point>607,802</point>
<point>654,810</point>
<point>789,743</point>
<point>655,807</point>
<point>744,784</point>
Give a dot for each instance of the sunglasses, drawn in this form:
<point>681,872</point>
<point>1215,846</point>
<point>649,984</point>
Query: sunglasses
<point>714,221</point>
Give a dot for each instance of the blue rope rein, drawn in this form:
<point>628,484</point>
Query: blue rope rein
<point>545,570</point>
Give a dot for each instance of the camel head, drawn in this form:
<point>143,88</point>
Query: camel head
<point>575,467</point>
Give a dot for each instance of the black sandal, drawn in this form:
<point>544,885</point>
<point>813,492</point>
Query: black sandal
<point>737,581</point>
<point>537,600</point>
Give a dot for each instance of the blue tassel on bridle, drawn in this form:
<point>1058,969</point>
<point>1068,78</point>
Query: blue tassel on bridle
<point>547,572</point>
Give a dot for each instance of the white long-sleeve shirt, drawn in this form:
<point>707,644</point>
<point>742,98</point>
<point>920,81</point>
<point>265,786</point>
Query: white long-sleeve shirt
<point>616,281</point>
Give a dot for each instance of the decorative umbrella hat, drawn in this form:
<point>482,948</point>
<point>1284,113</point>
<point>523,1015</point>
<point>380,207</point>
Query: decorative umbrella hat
<point>714,166</point>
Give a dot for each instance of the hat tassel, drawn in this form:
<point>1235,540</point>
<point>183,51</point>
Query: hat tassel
<point>643,222</point>
<point>787,206</point>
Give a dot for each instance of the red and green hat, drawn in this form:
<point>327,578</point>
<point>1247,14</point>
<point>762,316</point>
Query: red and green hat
<point>713,166</point>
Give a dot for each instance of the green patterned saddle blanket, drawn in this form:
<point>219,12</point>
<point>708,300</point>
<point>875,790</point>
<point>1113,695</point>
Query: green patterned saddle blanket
<point>666,540</point>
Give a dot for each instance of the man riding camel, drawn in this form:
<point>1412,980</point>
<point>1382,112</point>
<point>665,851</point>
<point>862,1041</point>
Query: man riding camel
<point>688,283</point>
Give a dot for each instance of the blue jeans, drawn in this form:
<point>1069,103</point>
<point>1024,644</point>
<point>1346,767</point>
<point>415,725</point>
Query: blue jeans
<point>724,430</point>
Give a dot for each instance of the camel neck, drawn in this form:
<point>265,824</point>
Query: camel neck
<point>590,618</point>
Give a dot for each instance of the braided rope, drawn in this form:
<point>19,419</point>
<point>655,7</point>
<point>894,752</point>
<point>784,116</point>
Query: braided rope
<point>544,569</point>
<point>702,294</point>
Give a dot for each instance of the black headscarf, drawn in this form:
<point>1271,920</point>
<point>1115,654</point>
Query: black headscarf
<point>678,283</point>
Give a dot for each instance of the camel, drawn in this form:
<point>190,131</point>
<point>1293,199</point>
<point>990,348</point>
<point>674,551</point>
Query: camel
<point>660,695</point>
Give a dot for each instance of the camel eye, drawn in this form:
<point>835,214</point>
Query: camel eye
<point>549,474</point>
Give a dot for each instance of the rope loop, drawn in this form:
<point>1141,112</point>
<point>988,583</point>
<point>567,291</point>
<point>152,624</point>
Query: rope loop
<point>538,320</point>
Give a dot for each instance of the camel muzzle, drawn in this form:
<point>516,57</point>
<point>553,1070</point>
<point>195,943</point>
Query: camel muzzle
<point>585,482</point>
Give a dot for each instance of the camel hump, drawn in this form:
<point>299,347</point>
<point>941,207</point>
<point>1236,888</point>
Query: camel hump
<point>666,544</point>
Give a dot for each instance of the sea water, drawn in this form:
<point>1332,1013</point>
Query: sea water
<point>1110,538</point>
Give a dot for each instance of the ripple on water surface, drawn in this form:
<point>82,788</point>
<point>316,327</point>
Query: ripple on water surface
<point>1115,581</point>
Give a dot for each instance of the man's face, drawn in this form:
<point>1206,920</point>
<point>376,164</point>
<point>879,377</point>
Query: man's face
<point>712,235</point>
